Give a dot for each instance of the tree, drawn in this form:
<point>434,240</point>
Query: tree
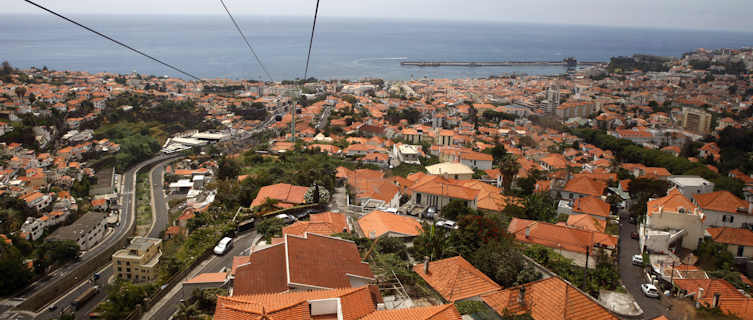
<point>509,167</point>
<point>270,227</point>
<point>20,92</point>
<point>433,242</point>
<point>455,209</point>
<point>228,169</point>
<point>514,271</point>
<point>16,274</point>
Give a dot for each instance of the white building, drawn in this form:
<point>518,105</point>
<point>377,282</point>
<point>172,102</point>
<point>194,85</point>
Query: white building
<point>672,221</point>
<point>691,185</point>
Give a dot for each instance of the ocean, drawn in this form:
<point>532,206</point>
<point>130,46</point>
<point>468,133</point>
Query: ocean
<point>344,48</point>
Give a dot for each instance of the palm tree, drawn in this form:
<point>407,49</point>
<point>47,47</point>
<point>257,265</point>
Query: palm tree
<point>509,167</point>
<point>433,241</point>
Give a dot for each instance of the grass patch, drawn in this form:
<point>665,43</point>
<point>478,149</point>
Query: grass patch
<point>143,203</point>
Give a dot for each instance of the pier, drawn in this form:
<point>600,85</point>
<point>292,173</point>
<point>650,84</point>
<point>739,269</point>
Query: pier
<point>569,62</point>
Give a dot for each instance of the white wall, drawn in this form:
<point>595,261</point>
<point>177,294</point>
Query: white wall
<point>716,219</point>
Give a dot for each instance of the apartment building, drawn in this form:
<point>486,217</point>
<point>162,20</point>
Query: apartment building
<point>138,262</point>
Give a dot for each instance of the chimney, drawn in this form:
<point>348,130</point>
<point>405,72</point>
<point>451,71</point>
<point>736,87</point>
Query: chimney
<point>522,296</point>
<point>426,265</point>
<point>528,232</point>
<point>715,302</point>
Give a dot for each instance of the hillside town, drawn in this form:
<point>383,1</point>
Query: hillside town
<point>622,190</point>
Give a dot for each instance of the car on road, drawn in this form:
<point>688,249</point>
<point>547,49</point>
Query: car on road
<point>634,235</point>
<point>223,246</point>
<point>449,224</point>
<point>288,219</point>
<point>650,290</point>
<point>637,260</point>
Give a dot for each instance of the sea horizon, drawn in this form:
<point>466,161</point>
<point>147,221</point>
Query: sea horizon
<point>344,47</point>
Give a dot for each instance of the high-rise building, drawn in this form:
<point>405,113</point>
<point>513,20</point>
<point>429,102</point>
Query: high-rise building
<point>696,120</point>
<point>553,98</point>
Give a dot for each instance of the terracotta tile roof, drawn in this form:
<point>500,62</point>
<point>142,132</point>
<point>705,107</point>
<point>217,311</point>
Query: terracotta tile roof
<point>722,201</point>
<point>324,261</point>
<point>377,223</point>
<point>355,302</point>
<point>326,223</point>
<point>674,201</point>
<point>735,236</point>
<point>586,222</point>
<point>440,312</point>
<point>591,205</point>
<point>558,236</point>
<point>437,185</point>
<point>282,192</point>
<point>456,279</point>
<point>547,299</point>
<point>730,299</point>
<point>264,272</point>
<point>585,185</point>
<point>208,277</point>
<point>490,197</point>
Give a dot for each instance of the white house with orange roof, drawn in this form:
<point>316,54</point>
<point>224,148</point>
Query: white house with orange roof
<point>672,221</point>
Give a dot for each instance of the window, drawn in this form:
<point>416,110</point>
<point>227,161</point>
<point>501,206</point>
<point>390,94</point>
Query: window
<point>731,219</point>
<point>740,250</point>
<point>418,198</point>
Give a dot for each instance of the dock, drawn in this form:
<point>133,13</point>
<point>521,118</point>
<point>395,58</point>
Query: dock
<point>569,62</point>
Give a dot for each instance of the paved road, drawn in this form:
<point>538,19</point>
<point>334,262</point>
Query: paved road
<point>127,218</point>
<point>632,276</point>
<point>169,304</point>
<point>159,200</point>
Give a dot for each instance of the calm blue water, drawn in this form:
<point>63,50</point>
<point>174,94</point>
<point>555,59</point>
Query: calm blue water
<point>209,46</point>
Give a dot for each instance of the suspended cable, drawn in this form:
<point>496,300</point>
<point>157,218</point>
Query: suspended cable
<point>246,40</point>
<point>311,41</point>
<point>116,41</point>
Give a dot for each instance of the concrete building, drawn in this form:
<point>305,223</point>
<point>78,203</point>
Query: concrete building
<point>724,209</point>
<point>691,185</point>
<point>696,120</point>
<point>451,170</point>
<point>138,262</point>
<point>87,231</point>
<point>672,221</point>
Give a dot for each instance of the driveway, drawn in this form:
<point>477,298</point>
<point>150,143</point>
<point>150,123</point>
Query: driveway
<point>632,276</point>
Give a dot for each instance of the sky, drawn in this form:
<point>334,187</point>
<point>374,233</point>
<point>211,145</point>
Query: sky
<point>673,14</point>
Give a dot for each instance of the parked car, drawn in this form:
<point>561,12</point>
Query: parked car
<point>288,219</point>
<point>632,220</point>
<point>634,235</point>
<point>223,246</point>
<point>650,290</point>
<point>430,213</point>
<point>637,260</point>
<point>449,224</point>
<point>307,212</point>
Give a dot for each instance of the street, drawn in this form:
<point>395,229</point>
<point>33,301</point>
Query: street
<point>169,304</point>
<point>631,275</point>
<point>127,218</point>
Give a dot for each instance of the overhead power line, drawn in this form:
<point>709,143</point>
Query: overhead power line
<point>116,41</point>
<point>311,41</point>
<point>246,40</point>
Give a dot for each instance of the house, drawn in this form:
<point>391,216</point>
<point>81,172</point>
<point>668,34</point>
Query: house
<point>378,193</point>
<point>37,200</point>
<point>204,281</point>
<point>723,209</point>
<point>671,221</point>
<point>579,187</point>
<point>87,231</point>
<point>378,223</point>
<point>591,205</point>
<point>437,192</point>
<point>342,304</point>
<point>326,223</point>
<point>718,293</point>
<point>405,153</point>
<point>586,222</point>
<point>739,242</point>
<point>573,243</point>
<point>490,198</point>
<point>547,299</point>
<point>455,279</point>
<point>139,262</point>
<point>285,194</point>
<point>33,228</point>
<point>476,160</point>
<point>691,185</point>
<point>451,170</point>
<point>299,263</point>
